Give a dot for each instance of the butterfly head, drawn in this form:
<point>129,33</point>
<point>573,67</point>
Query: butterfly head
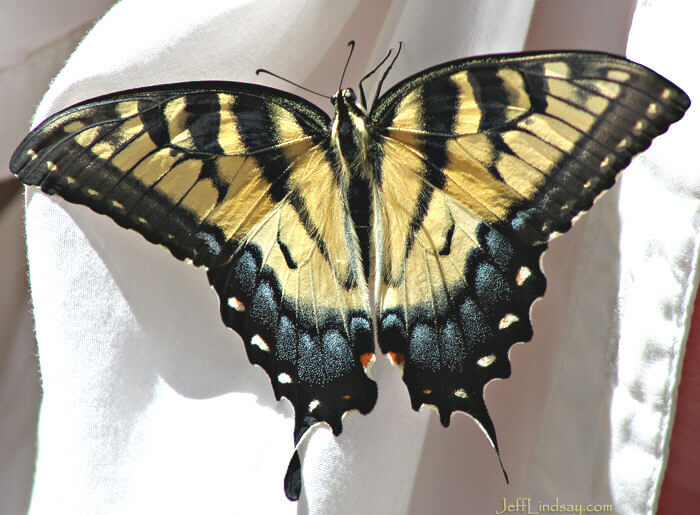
<point>346,100</point>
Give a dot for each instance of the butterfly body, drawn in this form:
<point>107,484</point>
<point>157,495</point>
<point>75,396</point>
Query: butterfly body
<point>350,138</point>
<point>445,193</point>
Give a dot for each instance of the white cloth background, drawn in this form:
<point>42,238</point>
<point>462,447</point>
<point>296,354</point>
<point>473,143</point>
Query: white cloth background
<point>606,425</point>
<point>150,403</point>
<point>36,37</point>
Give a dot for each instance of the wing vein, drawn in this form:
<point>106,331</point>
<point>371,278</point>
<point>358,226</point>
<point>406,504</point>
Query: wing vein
<point>467,192</point>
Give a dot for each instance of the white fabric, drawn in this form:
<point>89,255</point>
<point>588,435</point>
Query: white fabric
<point>661,251</point>
<point>36,37</point>
<point>150,403</point>
<point>612,400</point>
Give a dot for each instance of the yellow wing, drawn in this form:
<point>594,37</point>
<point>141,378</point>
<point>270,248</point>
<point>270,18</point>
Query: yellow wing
<point>482,162</point>
<point>236,178</point>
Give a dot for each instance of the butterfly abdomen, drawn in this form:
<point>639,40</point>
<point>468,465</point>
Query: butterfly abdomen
<point>361,212</point>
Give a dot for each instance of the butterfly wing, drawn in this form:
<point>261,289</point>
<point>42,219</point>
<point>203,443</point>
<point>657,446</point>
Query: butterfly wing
<point>238,179</point>
<point>483,161</point>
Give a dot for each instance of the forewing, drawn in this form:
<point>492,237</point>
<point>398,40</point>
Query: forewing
<point>173,162</point>
<point>482,162</point>
<point>239,179</point>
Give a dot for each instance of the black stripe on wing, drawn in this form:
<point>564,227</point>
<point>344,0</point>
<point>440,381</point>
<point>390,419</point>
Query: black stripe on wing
<point>163,160</point>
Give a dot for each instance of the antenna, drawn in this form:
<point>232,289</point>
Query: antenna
<point>362,91</point>
<point>386,72</point>
<point>262,70</point>
<point>351,44</point>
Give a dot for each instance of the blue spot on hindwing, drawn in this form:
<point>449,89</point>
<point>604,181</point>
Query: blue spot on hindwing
<point>337,355</point>
<point>392,333</point>
<point>264,311</point>
<point>245,273</point>
<point>493,292</point>
<point>361,334</point>
<point>310,360</point>
<point>423,348</point>
<point>479,331</point>
<point>286,340</point>
<point>453,355</point>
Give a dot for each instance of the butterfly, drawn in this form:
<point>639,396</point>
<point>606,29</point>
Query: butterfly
<point>416,223</point>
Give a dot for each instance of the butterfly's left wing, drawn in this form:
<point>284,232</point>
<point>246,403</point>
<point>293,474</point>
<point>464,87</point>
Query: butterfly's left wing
<point>482,162</point>
<point>237,178</point>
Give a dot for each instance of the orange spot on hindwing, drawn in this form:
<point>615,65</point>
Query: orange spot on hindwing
<point>367,358</point>
<point>396,357</point>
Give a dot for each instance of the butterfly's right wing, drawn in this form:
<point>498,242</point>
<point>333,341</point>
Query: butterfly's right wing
<point>236,178</point>
<point>482,161</point>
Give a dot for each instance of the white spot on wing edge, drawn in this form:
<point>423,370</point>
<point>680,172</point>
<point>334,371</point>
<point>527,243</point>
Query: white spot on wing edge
<point>51,166</point>
<point>236,304</point>
<point>284,378</point>
<point>461,393</point>
<point>522,275</point>
<point>507,320</point>
<point>314,404</point>
<point>259,342</point>
<point>32,155</point>
<point>486,360</point>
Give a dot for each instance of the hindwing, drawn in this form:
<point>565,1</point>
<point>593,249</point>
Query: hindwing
<point>481,162</point>
<point>239,179</point>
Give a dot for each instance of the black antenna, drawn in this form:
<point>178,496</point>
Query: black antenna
<point>379,87</point>
<point>351,44</point>
<point>362,91</point>
<point>262,70</point>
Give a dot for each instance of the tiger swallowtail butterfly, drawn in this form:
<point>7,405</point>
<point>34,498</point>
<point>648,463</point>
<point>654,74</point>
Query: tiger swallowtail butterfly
<point>437,201</point>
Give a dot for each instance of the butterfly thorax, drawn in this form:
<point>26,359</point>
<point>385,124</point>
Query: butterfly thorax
<point>349,134</point>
